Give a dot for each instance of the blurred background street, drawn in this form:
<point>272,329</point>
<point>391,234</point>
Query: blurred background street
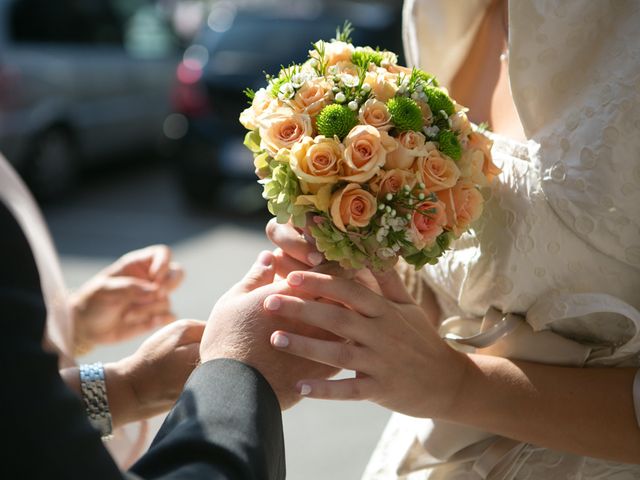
<point>122,116</point>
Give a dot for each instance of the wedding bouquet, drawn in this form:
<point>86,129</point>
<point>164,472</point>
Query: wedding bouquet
<point>376,157</point>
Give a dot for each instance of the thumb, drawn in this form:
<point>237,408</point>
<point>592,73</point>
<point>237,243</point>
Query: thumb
<point>261,273</point>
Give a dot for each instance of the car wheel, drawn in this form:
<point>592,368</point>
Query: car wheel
<point>51,168</point>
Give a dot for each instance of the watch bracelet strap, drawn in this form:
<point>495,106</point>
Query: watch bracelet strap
<point>94,398</point>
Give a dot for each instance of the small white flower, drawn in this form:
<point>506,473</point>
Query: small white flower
<point>335,89</point>
<point>396,248</point>
<point>353,105</point>
<point>386,252</point>
<point>408,216</point>
<point>415,95</point>
<point>422,186</point>
<point>340,98</point>
<point>388,209</point>
<point>421,196</point>
<point>401,90</point>
<point>419,88</point>
<point>366,88</point>
<point>349,80</point>
<point>298,80</point>
<point>393,213</point>
<point>389,197</point>
<point>381,206</point>
<point>431,131</point>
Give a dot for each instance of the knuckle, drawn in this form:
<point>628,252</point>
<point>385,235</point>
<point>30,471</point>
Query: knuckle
<point>344,354</point>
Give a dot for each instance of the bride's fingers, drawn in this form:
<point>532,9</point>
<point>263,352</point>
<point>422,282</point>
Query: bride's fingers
<point>335,354</point>
<point>331,317</point>
<point>285,264</point>
<point>341,290</point>
<point>392,286</point>
<point>343,389</point>
<point>293,243</point>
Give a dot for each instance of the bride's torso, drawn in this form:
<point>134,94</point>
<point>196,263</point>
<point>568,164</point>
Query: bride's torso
<point>564,214</point>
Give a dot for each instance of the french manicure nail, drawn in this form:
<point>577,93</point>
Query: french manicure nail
<point>295,279</point>
<point>315,258</point>
<point>279,340</point>
<point>272,303</point>
<point>305,389</point>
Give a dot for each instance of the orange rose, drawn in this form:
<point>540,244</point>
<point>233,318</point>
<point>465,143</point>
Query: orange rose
<point>365,152</point>
<point>375,113</point>
<point>282,129</point>
<point>437,171</point>
<point>383,84</point>
<point>427,222</point>
<point>352,206</point>
<point>410,146</point>
<point>391,181</point>
<point>262,103</point>
<point>317,160</point>
<point>312,97</point>
<point>334,52</point>
<point>478,141</point>
<point>464,206</point>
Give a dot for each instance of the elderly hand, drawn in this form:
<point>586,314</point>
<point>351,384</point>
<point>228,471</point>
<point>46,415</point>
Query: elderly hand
<point>238,328</point>
<point>400,360</point>
<point>126,299</point>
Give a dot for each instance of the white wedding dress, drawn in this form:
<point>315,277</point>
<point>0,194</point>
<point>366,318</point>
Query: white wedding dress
<point>559,241</point>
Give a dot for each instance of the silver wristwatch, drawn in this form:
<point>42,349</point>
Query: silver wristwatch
<point>94,397</point>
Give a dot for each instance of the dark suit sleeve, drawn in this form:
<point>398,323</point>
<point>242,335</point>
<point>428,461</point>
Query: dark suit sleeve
<point>226,424</point>
<point>45,432</point>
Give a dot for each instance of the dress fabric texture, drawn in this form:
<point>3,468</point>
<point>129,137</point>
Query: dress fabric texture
<point>563,218</point>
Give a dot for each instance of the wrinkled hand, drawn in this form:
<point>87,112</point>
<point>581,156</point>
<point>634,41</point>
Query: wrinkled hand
<point>126,299</point>
<point>400,360</point>
<point>239,328</point>
<point>149,381</point>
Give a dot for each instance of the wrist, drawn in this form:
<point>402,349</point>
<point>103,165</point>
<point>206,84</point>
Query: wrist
<point>461,377</point>
<point>82,343</point>
<point>123,401</point>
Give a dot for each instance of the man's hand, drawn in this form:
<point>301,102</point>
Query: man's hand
<point>239,328</point>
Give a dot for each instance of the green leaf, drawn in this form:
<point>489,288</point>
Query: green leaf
<point>252,141</point>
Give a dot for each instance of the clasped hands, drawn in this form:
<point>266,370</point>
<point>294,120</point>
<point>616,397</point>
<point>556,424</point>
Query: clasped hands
<point>293,323</point>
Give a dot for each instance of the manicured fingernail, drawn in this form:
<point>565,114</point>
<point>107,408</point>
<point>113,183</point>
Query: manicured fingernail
<point>279,340</point>
<point>305,389</point>
<point>315,258</point>
<point>272,303</point>
<point>295,279</point>
<point>265,259</point>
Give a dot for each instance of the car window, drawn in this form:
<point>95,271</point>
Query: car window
<point>64,21</point>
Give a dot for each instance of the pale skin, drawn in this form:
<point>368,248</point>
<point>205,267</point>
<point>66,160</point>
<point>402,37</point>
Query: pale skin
<point>407,367</point>
<point>128,298</point>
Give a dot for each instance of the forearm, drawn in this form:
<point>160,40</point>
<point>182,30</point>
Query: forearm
<point>587,411</point>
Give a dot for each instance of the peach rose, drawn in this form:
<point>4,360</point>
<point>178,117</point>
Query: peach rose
<point>317,160</point>
<point>406,71</point>
<point>482,143</point>
<point>366,150</point>
<point>282,129</point>
<point>334,52</point>
<point>352,206</point>
<point>391,181</point>
<point>312,97</point>
<point>437,171</point>
<point>346,67</point>
<point>262,103</point>
<point>427,114</point>
<point>464,206</point>
<point>460,123</point>
<point>375,113</point>
<point>410,146</point>
<point>383,84</point>
<point>427,222</point>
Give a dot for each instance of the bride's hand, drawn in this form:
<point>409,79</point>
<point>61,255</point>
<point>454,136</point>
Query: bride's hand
<point>400,360</point>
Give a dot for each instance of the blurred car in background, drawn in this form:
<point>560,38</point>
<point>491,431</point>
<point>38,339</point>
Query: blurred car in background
<point>234,49</point>
<point>81,82</point>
